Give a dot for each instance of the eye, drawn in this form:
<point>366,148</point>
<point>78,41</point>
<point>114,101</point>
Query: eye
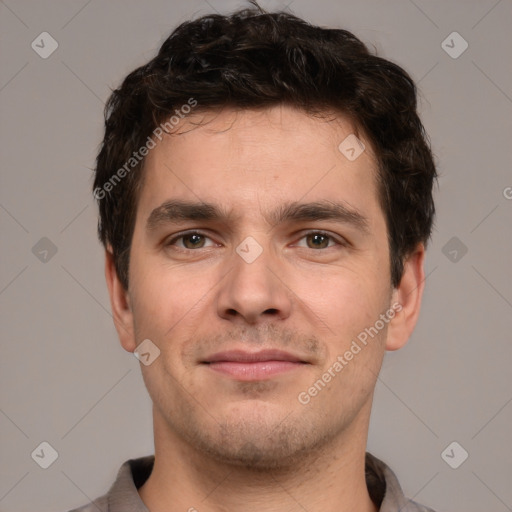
<point>196,240</point>
<point>191,240</point>
<point>320,240</point>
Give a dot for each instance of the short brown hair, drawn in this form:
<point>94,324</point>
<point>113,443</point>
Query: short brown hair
<point>253,59</point>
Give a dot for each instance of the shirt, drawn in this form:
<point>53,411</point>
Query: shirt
<point>383,487</point>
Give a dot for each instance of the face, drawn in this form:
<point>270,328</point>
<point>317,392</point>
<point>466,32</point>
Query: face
<point>259,257</point>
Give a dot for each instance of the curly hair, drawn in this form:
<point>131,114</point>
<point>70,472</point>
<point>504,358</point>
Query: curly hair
<point>254,59</point>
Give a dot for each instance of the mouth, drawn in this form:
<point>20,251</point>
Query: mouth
<point>253,366</point>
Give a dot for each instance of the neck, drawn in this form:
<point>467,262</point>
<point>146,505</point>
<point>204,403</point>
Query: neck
<point>331,479</point>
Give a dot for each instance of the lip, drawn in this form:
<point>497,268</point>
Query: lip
<point>248,366</point>
<point>242,356</point>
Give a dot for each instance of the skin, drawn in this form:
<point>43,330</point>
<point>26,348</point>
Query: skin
<point>222,444</point>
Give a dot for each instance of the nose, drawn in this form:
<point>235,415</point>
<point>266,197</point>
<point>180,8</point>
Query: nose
<point>254,292</point>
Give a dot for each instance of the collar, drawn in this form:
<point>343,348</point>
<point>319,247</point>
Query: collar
<point>382,484</point>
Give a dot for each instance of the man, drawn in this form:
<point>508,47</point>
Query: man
<point>265,197</point>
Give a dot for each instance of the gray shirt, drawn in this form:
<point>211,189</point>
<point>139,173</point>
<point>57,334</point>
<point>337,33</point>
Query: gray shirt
<point>382,483</point>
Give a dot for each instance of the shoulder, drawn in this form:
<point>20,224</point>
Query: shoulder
<point>122,495</point>
<point>385,489</point>
<point>98,505</point>
<point>412,506</point>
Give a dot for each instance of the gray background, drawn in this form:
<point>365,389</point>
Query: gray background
<point>65,378</point>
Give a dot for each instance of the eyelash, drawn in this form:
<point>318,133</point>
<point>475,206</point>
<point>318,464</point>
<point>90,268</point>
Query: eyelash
<point>179,236</point>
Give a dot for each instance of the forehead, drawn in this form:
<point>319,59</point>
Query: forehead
<point>251,160</point>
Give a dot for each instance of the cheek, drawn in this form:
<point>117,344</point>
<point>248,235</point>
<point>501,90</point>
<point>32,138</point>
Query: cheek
<point>170,308</point>
<point>164,296</point>
<point>343,302</point>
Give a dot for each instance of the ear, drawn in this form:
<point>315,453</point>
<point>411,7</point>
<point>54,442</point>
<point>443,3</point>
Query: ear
<point>407,296</point>
<point>120,304</point>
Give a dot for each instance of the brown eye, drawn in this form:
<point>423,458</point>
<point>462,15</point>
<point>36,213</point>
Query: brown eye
<point>317,240</point>
<point>193,241</point>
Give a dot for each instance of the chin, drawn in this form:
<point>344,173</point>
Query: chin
<point>260,446</point>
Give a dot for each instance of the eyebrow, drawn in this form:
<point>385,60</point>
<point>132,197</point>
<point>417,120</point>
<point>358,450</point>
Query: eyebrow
<point>173,211</point>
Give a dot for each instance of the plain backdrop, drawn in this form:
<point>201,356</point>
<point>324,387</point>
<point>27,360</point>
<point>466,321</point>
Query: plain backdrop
<point>65,379</point>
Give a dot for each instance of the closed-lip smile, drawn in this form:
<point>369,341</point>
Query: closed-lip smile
<point>247,366</point>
